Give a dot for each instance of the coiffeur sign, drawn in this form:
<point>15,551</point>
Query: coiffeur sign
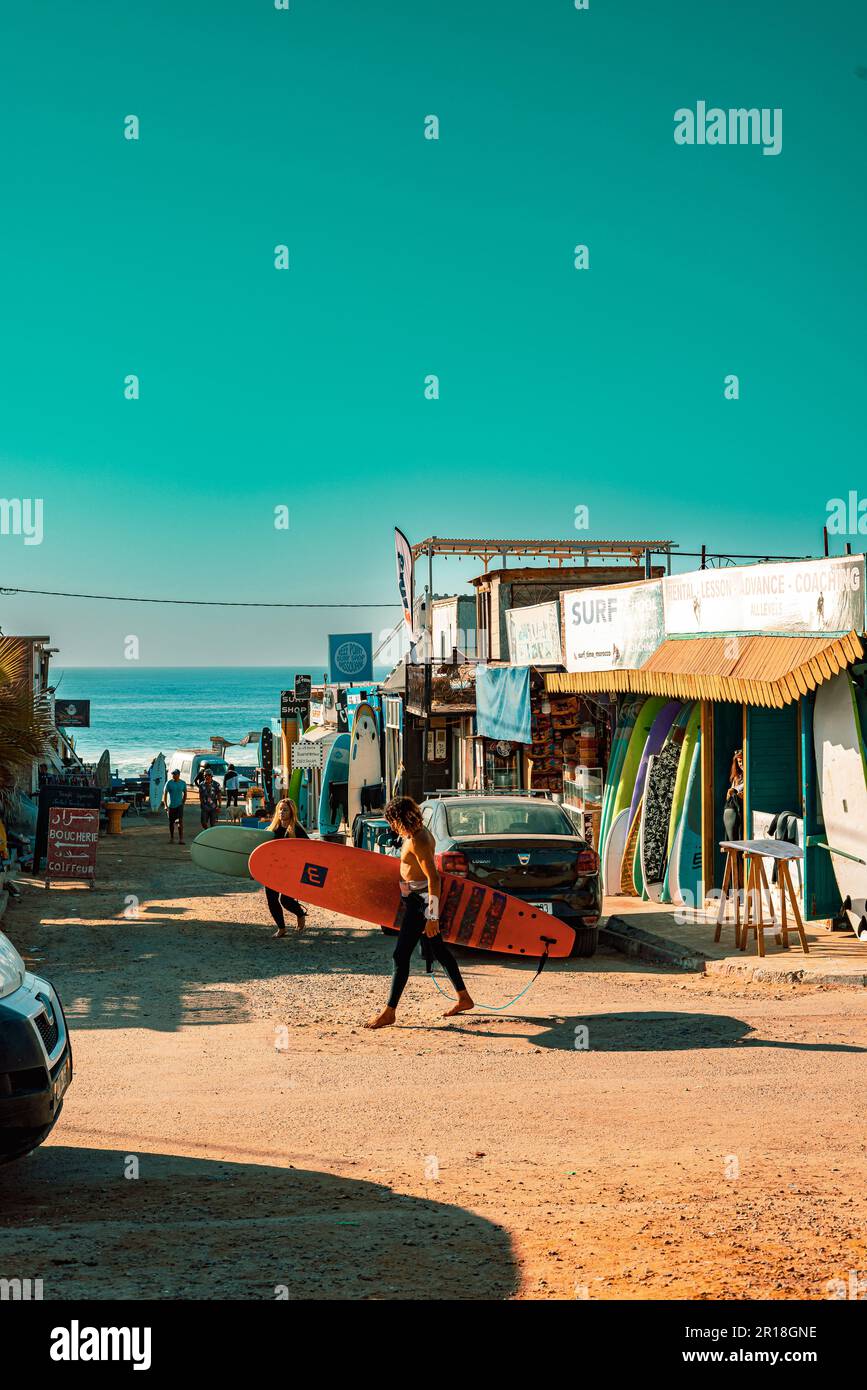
<point>810,596</point>
<point>73,834</point>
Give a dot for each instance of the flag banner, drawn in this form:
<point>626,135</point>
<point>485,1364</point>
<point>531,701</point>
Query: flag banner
<point>403,557</point>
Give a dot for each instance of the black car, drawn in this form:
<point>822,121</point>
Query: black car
<point>35,1056</point>
<point>525,845</point>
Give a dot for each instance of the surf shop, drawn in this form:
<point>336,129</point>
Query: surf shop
<point>739,710</point>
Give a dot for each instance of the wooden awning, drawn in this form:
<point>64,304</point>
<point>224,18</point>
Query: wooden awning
<point>770,671</point>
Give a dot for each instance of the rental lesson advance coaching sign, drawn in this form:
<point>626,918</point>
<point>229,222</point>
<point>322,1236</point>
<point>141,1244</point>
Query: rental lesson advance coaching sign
<point>611,628</point>
<point>805,597</point>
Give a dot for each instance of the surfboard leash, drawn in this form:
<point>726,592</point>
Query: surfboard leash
<point>498,1008</point>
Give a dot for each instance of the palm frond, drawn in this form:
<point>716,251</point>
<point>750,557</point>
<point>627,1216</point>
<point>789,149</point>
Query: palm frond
<point>25,719</point>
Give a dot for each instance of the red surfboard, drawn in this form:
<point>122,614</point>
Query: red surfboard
<point>365,885</point>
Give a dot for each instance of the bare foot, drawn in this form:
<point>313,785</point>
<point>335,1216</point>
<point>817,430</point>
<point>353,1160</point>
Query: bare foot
<point>460,1006</point>
<point>300,921</point>
<point>381,1020</point>
<point>281,932</point>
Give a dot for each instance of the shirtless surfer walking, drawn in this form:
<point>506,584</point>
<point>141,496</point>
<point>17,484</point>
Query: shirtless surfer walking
<point>420,889</point>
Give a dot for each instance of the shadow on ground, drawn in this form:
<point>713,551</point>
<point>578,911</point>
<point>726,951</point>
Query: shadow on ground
<point>190,1228</point>
<point>635,1032</point>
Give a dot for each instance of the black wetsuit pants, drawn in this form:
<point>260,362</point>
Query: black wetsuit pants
<point>410,935</point>
<point>276,903</point>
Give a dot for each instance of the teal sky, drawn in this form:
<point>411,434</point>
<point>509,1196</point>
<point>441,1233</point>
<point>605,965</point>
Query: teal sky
<point>409,257</point>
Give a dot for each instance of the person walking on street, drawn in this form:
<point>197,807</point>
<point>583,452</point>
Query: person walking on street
<point>420,890</point>
<point>286,824</point>
<point>209,800</point>
<point>175,799</point>
<point>231,785</point>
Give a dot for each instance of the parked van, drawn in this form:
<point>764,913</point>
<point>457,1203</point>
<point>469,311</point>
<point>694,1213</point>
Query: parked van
<point>191,761</point>
<point>35,1056</point>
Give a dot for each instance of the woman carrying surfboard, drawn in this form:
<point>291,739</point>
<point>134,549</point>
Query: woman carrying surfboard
<point>286,823</point>
<point>420,890</point>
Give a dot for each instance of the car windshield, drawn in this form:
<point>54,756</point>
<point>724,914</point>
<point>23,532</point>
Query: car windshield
<point>215,765</point>
<point>507,818</point>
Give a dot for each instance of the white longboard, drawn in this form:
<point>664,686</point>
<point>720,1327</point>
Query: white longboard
<point>843,779</point>
<point>157,782</point>
<point>614,846</point>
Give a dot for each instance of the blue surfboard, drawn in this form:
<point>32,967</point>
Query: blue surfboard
<point>336,770</point>
<point>687,848</point>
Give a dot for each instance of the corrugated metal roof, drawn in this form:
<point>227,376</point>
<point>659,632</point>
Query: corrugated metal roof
<point>568,543</point>
<point>759,670</point>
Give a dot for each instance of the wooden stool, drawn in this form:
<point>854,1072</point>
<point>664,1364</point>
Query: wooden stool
<point>730,881</point>
<point>755,852</point>
<point>754,899</point>
<point>788,888</point>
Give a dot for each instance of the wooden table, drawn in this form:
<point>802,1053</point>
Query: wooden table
<point>754,852</point>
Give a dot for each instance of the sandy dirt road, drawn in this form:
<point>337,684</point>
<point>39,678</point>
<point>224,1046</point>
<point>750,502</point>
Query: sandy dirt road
<point>708,1142</point>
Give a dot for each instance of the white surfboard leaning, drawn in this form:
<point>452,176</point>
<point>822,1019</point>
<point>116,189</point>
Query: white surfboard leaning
<point>365,766</point>
<point>614,847</point>
<point>842,776</point>
<point>157,782</point>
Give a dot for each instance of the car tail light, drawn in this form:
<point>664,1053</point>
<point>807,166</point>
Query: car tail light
<point>452,862</point>
<point>588,862</point>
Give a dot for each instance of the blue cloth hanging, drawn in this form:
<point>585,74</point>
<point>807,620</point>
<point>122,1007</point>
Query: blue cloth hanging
<point>503,703</point>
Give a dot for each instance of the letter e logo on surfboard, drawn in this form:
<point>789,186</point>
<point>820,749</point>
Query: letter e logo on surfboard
<point>314,875</point>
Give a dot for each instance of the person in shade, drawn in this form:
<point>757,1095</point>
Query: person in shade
<point>420,889</point>
<point>286,823</point>
<point>175,799</point>
<point>209,800</point>
<point>733,814</point>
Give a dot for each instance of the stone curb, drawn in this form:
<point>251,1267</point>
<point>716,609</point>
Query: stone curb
<point>639,944</point>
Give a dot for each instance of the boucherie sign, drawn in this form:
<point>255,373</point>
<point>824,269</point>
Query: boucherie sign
<point>818,597</point>
<point>73,834</point>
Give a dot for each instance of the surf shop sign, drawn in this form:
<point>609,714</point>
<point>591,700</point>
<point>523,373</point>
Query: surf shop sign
<point>819,597</point>
<point>613,627</point>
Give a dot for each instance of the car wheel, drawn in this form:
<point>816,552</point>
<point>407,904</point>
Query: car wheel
<point>586,939</point>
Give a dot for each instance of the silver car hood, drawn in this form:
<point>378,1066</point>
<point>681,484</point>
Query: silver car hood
<point>12,968</point>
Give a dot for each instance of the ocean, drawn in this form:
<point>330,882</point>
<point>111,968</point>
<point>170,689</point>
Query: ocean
<point>137,712</point>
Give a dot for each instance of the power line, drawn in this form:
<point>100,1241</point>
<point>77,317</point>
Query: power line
<point>191,602</point>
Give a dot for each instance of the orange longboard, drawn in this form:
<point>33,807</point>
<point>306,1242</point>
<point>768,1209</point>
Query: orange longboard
<point>366,885</point>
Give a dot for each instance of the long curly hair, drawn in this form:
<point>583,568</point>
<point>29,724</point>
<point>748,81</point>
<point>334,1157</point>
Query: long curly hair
<point>403,814</point>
